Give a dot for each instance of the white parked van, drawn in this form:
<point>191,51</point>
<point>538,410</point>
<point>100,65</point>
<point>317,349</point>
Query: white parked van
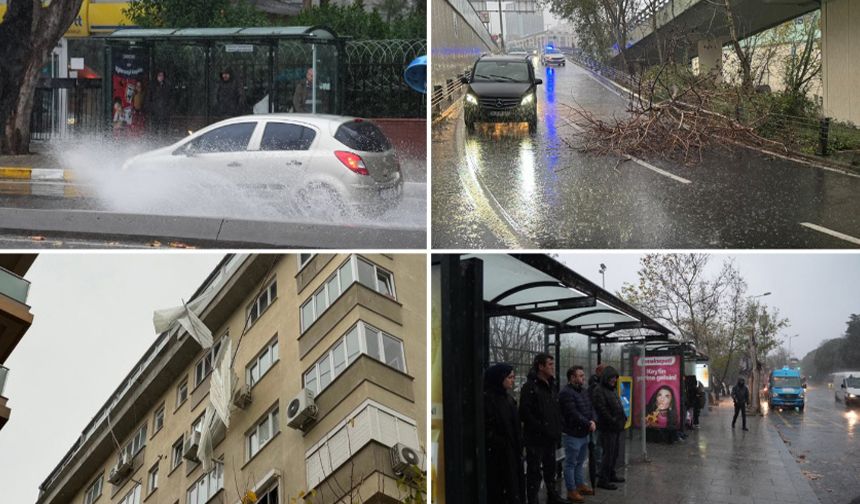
<point>846,387</point>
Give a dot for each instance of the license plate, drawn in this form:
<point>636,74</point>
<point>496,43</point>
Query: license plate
<point>500,113</point>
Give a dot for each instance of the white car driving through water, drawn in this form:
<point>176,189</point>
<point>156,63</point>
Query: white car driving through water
<point>313,159</point>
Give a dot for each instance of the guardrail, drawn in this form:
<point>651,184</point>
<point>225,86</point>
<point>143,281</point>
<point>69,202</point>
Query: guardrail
<point>13,286</point>
<point>446,94</point>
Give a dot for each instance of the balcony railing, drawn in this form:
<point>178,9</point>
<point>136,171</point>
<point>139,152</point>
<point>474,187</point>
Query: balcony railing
<point>4,371</point>
<point>14,286</point>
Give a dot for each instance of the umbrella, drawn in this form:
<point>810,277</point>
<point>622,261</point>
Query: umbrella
<point>592,464</point>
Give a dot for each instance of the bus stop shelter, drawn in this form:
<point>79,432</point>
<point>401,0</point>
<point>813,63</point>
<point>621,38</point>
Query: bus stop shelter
<point>266,63</point>
<point>474,288</point>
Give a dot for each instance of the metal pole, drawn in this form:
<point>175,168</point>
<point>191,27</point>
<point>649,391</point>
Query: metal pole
<point>642,368</point>
<point>501,27</point>
<point>314,81</point>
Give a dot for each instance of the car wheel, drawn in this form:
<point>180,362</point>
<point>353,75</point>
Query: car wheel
<point>317,199</point>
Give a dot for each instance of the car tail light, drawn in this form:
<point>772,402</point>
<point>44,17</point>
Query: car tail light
<point>352,161</point>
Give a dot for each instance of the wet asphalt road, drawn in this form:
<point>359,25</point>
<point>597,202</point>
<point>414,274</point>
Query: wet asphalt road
<point>503,188</point>
<point>825,441</point>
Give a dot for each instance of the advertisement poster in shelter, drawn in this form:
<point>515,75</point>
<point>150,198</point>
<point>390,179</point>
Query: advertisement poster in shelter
<point>129,70</point>
<point>662,379</point>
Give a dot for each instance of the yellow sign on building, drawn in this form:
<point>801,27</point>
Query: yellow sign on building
<point>95,17</point>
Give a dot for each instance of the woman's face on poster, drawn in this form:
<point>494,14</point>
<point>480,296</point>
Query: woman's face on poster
<point>664,399</point>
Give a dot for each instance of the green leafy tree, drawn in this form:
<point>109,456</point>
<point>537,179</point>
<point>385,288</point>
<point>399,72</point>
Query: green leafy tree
<point>194,13</point>
<point>346,20</point>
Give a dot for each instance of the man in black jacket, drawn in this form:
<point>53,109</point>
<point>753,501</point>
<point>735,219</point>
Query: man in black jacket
<point>610,424</point>
<point>741,397</point>
<point>541,427</point>
<point>579,420</point>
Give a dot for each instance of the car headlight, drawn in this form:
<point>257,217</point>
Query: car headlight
<point>528,99</point>
<point>470,98</point>
<point>851,396</point>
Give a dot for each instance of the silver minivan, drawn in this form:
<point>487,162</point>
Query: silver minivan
<point>846,387</point>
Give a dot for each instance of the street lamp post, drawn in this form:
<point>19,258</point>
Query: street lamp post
<point>754,377</point>
<point>602,271</point>
<point>789,345</point>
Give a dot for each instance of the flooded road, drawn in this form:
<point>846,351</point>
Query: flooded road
<point>502,187</point>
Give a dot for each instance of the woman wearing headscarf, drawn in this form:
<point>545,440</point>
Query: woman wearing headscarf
<point>503,437</point>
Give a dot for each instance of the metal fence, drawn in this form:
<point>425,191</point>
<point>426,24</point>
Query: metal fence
<point>374,84</point>
<point>64,107</point>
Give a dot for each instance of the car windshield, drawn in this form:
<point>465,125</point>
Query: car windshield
<point>786,381</point>
<point>852,382</point>
<point>501,71</point>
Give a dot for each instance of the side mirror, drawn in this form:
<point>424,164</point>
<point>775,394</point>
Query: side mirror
<point>804,385</point>
<point>464,80</point>
<point>538,81</point>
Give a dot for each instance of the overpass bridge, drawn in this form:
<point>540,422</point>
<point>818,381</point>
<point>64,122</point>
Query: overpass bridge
<point>700,28</point>
<point>459,38</point>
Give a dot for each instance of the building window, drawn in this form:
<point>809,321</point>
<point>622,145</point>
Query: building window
<point>207,486</point>
<point>354,269</point>
<point>262,363</point>
<point>269,496</point>
<point>94,490</point>
<point>197,426</point>
<point>304,259</point>
<point>132,497</point>
<point>204,365</point>
<point>176,453</point>
<point>158,419</point>
<point>137,442</point>
<point>182,392</point>
<point>369,422</point>
<point>362,338</point>
<point>152,483</point>
<point>263,432</point>
<point>262,302</point>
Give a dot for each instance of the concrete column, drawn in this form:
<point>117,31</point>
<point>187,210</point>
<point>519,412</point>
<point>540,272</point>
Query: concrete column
<point>711,57</point>
<point>840,54</point>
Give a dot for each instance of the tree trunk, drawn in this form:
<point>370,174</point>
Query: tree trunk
<point>28,33</point>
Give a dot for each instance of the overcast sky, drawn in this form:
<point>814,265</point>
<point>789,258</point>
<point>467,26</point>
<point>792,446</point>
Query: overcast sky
<point>816,292</point>
<point>92,322</point>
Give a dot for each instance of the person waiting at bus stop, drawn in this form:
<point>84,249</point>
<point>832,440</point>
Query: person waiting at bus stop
<point>504,447</point>
<point>579,421</point>
<point>541,428</point>
<point>741,397</point>
<point>610,423</point>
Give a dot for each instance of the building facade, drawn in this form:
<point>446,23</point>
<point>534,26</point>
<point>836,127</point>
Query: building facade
<point>560,36</point>
<point>329,351</point>
<point>15,316</point>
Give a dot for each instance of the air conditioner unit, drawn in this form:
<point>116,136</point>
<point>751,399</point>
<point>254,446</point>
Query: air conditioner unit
<point>119,471</point>
<point>406,461</point>
<point>242,397</point>
<point>189,451</point>
<point>301,410</point>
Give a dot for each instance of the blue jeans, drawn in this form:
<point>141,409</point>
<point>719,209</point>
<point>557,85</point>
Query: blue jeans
<point>575,451</point>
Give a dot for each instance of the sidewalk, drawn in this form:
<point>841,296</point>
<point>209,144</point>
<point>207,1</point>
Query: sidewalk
<point>36,166</point>
<point>714,465</point>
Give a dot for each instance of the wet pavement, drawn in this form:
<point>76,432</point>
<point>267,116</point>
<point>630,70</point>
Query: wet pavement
<point>825,442</point>
<point>503,188</point>
<point>714,465</point>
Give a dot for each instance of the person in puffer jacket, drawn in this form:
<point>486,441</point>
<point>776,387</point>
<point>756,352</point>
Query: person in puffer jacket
<point>610,424</point>
<point>541,428</point>
<point>579,420</point>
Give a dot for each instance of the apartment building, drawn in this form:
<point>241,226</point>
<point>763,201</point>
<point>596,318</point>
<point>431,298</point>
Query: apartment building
<point>330,401</point>
<point>15,316</point>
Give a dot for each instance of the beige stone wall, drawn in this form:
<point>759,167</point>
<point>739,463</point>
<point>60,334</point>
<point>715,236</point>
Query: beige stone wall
<point>284,456</point>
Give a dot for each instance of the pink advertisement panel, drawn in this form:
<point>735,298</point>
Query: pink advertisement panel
<point>662,392</point>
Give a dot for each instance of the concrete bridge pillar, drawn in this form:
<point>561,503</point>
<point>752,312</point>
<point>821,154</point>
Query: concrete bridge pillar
<point>711,57</point>
<point>840,55</point>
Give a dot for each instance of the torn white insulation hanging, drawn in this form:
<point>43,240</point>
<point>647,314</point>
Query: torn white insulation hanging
<point>216,419</point>
<point>187,317</point>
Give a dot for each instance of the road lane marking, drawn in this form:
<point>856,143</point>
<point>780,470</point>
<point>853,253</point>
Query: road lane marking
<point>835,234</point>
<point>659,170</point>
